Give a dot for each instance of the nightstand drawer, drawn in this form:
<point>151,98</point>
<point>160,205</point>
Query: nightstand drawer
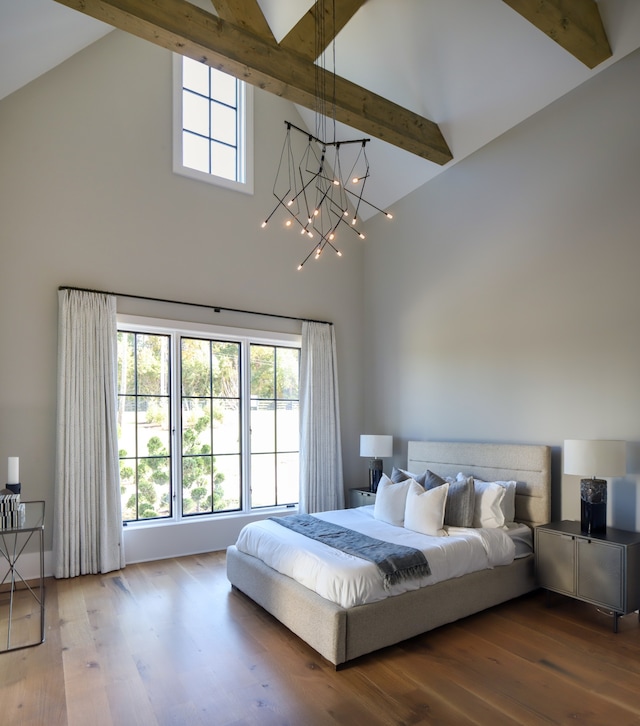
<point>361,497</point>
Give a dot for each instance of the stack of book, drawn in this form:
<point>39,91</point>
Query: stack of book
<point>11,512</point>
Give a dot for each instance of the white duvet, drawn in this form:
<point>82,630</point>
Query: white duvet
<point>348,580</point>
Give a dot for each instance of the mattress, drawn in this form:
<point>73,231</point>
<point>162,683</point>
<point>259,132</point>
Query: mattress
<point>350,581</point>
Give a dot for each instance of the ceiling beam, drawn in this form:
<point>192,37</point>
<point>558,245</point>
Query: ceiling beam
<point>302,37</point>
<point>246,14</point>
<point>190,31</point>
<point>576,25</point>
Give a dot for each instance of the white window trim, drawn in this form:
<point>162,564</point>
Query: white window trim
<point>177,328</point>
<point>245,143</point>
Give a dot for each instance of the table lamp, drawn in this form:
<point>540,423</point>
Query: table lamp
<point>599,459</point>
<point>375,447</point>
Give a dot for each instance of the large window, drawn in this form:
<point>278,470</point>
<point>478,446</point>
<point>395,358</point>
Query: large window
<point>208,421</point>
<point>213,134</point>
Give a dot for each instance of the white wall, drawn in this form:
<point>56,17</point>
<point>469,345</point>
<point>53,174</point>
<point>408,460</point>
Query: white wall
<point>504,302</point>
<point>88,198</point>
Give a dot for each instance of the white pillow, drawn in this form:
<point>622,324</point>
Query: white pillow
<point>509,502</point>
<point>424,509</point>
<point>390,500</point>
<point>488,506</point>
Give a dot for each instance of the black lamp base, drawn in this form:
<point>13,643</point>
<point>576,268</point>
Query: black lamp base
<point>593,506</point>
<point>375,474</point>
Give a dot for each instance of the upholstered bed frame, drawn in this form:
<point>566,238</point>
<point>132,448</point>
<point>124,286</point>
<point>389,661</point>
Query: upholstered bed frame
<point>340,634</point>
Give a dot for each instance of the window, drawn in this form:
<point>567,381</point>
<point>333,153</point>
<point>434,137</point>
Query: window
<point>213,132</point>
<point>208,420</point>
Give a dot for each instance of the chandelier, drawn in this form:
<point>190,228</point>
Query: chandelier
<point>314,195</point>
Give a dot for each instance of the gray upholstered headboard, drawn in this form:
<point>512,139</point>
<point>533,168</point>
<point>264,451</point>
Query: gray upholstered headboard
<point>528,465</point>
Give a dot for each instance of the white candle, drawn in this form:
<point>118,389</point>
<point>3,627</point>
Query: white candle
<point>13,476</point>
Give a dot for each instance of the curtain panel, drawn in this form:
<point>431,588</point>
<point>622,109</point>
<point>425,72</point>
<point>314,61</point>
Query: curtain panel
<point>321,479</point>
<point>87,534</point>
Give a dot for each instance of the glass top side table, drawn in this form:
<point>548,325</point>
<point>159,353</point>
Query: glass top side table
<point>20,598</point>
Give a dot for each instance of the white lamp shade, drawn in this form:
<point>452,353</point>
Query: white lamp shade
<point>594,458</point>
<point>376,447</point>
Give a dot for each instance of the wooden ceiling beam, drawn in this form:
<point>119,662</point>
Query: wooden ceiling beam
<point>186,29</point>
<point>246,14</point>
<point>576,25</point>
<point>302,37</point>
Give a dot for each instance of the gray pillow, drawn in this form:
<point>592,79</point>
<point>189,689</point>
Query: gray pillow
<point>400,475</point>
<point>460,503</point>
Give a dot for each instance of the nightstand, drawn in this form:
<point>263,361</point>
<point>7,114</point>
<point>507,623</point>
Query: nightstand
<point>361,497</point>
<point>602,569</point>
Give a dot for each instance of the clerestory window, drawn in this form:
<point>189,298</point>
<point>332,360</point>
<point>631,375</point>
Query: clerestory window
<point>213,127</point>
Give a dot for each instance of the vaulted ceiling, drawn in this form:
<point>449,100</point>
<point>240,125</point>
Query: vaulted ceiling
<point>430,81</point>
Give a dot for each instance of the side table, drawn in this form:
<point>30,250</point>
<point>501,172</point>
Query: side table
<point>361,497</point>
<point>602,569</point>
<point>13,542</point>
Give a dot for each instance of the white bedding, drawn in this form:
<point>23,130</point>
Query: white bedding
<point>348,580</point>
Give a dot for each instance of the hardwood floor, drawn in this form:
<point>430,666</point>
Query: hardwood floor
<point>170,643</point>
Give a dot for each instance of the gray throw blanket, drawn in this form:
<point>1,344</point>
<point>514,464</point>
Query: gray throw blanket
<point>395,562</point>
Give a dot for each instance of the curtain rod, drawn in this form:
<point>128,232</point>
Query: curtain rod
<point>216,308</point>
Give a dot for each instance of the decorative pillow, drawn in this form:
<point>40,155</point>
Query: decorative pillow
<point>461,503</point>
<point>489,498</point>
<point>390,501</point>
<point>399,475</point>
<point>424,509</point>
<point>509,502</point>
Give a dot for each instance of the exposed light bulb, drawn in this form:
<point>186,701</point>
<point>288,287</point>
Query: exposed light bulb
<point>354,220</point>
<point>336,182</point>
<point>303,231</point>
<point>316,212</point>
<point>361,236</point>
<point>346,213</point>
<point>355,180</point>
<point>339,253</point>
<point>263,225</point>
<point>310,233</point>
<point>287,223</point>
<point>389,216</point>
<point>332,236</point>
<point>290,202</point>
<point>299,267</point>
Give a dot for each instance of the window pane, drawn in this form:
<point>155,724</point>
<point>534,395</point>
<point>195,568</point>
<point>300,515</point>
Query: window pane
<point>263,480</point>
<point>196,484</point>
<point>288,491</point>
<point>154,486</point>
<point>223,87</point>
<point>262,371</point>
<point>195,114</point>
<point>195,76</point>
<point>288,373</point>
<point>196,367</point>
<point>226,426</point>
<point>195,152</point>
<point>226,369</point>
<point>288,426</point>
<point>223,160</point>
<point>223,124</point>
<point>196,426</point>
<point>153,426</point>
<point>227,483</point>
<point>263,426</point>
<point>152,365</point>
<point>126,363</point>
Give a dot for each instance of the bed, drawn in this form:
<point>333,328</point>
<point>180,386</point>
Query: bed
<point>341,634</point>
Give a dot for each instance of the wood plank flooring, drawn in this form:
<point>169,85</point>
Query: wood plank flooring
<point>169,642</point>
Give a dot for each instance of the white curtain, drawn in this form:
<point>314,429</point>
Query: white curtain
<point>87,535</point>
<point>321,482</point>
